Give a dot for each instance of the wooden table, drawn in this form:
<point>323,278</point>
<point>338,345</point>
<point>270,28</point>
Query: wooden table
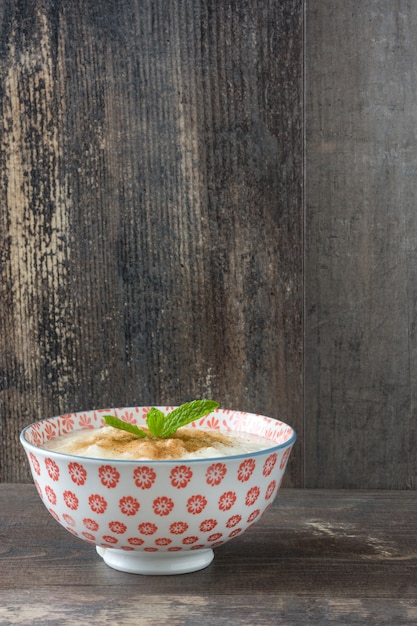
<point>317,557</point>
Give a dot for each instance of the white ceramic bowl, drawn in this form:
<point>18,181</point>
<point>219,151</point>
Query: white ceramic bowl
<point>158,517</point>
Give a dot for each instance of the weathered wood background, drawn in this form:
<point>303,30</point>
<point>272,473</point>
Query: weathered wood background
<point>214,198</point>
<point>361,244</point>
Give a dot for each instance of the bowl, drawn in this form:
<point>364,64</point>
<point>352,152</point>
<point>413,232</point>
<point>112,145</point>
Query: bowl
<point>158,517</point>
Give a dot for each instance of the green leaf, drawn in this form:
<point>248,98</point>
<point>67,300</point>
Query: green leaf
<point>186,413</point>
<point>121,425</point>
<point>155,421</point>
<point>164,426</point>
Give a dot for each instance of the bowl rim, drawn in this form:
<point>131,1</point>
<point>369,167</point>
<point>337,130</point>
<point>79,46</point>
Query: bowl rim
<point>27,445</point>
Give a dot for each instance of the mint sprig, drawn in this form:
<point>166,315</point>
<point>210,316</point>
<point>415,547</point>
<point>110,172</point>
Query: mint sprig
<point>164,426</point>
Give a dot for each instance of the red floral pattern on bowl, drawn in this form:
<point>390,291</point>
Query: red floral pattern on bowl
<point>162,511</point>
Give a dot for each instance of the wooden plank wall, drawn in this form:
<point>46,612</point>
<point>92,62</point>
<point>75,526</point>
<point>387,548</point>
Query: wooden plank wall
<point>151,212</point>
<point>214,198</point>
<point>361,244</point>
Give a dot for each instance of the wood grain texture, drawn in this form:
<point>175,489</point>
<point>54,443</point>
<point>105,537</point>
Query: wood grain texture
<point>361,246</point>
<point>151,214</point>
<point>316,557</point>
<point>153,244</point>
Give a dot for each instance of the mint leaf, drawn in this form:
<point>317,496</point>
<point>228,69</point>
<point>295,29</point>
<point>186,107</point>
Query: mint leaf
<point>186,413</point>
<point>155,421</point>
<point>164,426</point>
<point>121,425</point>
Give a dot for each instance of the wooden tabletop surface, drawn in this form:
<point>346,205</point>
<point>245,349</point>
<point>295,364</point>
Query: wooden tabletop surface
<point>317,557</point>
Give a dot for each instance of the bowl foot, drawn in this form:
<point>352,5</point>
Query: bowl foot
<point>156,563</point>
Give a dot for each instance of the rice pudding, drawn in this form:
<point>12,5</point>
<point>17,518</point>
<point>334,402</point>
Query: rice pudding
<point>186,443</point>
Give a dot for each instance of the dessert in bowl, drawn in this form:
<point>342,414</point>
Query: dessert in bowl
<point>158,515</point>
